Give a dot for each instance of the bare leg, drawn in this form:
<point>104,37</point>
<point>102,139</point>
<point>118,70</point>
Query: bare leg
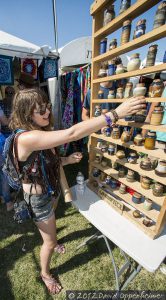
<point>47,230</point>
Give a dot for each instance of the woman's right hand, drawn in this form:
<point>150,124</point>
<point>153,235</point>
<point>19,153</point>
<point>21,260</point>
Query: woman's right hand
<point>131,106</point>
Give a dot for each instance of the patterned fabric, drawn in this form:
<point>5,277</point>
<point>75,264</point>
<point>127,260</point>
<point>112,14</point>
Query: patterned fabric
<point>50,68</point>
<point>6,70</point>
<point>29,65</point>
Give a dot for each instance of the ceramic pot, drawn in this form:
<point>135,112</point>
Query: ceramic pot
<point>108,180</point>
<point>119,93</point>
<point>128,90</point>
<point>125,136</point>
<point>103,46</point>
<point>129,118</point>
<point>96,172</point>
<point>113,184</point>
<point>150,140</point>
<point>97,111</point>
<point>111,68</point>
<point>126,30</point>
<point>156,88</point>
<point>137,198</point>
<point>121,172</point>
<point>139,90</point>
<point>138,140</point>
<point>140,28</point>
<point>113,44</point>
<point>120,154</point>
<point>111,149</point>
<point>100,94</point>
<point>125,4</point>
<point>161,168</point>
<point>145,182</point>
<point>104,148</point>
<point>97,159</point>
<point>146,164</point>
<point>137,214</point>
<point>160,16</point>
<point>140,116</point>
<point>122,188</point>
<point>147,204</point>
<point>109,15</point>
<point>119,69</point>
<point>151,56</point>
<point>130,176</point>
<point>132,158</point>
<point>147,222</point>
<point>115,134</point>
<point>157,116</point>
<point>111,94</point>
<point>134,62</point>
<point>158,189</point>
<point>154,161</point>
<point>102,73</point>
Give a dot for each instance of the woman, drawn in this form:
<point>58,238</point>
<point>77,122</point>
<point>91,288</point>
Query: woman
<point>32,112</point>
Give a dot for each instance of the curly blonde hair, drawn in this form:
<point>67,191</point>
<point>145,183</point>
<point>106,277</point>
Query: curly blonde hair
<point>24,104</point>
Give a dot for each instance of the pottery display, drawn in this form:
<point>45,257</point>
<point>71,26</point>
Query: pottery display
<point>119,93</point>
<point>126,29</point>
<point>128,90</point>
<point>120,154</point>
<point>161,168</point>
<point>125,4</point>
<point>150,140</point>
<point>157,115</point>
<point>103,46</point>
<point>158,189</point>
<point>122,188</point>
<point>138,140</point>
<point>113,44</point>
<point>156,88</point>
<point>121,172</point>
<point>119,69</point>
<point>111,94</point>
<point>145,182</point>
<point>111,149</point>
<point>134,62</point>
<point>151,56</point>
<point>139,90</point>
<point>136,198</point>
<point>115,134</point>
<point>146,164</point>
<point>125,136</point>
<point>147,204</point>
<point>140,28</point>
<point>130,176</point>
<point>109,15</point>
<point>160,17</point>
<point>132,158</point>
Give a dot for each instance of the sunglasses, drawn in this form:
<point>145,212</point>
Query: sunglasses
<point>43,108</point>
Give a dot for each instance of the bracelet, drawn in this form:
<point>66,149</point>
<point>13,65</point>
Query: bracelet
<point>116,117</point>
<point>108,120</point>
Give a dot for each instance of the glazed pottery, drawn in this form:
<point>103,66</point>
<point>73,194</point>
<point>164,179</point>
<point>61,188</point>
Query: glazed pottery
<point>136,198</point>
<point>132,158</point>
<point>134,62</point>
<point>146,164</point>
<point>156,88</point>
<point>100,94</point>
<point>148,204</point>
<point>150,140</point>
<point>119,93</point>
<point>151,56</point>
<point>139,90</point>
<point>128,90</point>
<point>120,154</point>
<point>138,140</point>
<point>161,168</point>
<point>96,172</point>
<point>145,182</point>
<point>125,136</point>
<point>111,68</point>
<point>160,16</point>
<point>147,222</point>
<point>125,4</point>
<point>113,184</point>
<point>111,94</point>
<point>140,28</point>
<point>136,214</point>
<point>103,46</point>
<point>158,189</point>
<point>140,116</point>
<point>122,188</point>
<point>119,69</point>
<point>113,44</point>
<point>104,148</point>
<point>102,72</point>
<point>115,134</point>
<point>97,111</point>
<point>130,176</point>
<point>108,180</point>
<point>126,29</point>
<point>121,172</point>
<point>111,149</point>
<point>157,116</point>
<point>109,15</point>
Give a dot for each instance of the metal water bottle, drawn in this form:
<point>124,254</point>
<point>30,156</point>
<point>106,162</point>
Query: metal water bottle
<point>80,182</point>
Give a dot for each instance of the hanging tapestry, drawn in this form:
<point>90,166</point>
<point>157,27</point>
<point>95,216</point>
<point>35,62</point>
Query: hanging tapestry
<point>29,65</point>
<point>50,68</point>
<point>6,70</point>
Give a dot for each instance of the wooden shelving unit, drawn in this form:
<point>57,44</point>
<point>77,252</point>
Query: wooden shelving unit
<point>158,212</point>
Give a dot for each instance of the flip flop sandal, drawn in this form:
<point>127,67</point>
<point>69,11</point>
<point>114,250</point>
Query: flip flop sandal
<point>52,285</point>
<point>60,248</point>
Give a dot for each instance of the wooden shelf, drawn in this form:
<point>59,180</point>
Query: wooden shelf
<point>149,100</point>
<point>135,167</point>
<point>131,13</point>
<point>153,69</point>
<point>158,153</point>
<point>143,40</point>
<point>136,186</point>
<point>152,214</point>
<point>98,5</point>
<point>161,128</point>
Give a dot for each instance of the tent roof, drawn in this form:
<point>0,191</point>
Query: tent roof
<point>77,52</point>
<point>14,46</point>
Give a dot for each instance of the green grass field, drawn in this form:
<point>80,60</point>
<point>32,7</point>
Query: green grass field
<point>89,268</point>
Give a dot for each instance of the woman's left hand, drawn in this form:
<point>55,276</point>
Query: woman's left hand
<point>74,158</point>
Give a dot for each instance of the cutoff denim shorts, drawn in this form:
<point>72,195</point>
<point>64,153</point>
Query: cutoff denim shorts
<point>42,206</point>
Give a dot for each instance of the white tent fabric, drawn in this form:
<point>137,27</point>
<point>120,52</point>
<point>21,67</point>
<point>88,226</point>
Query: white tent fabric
<point>13,46</point>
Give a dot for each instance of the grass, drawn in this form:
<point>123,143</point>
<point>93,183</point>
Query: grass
<point>89,268</point>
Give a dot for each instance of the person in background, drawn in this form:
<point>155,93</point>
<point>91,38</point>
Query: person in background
<point>4,187</point>
<point>32,112</point>
<point>105,87</point>
<point>6,106</point>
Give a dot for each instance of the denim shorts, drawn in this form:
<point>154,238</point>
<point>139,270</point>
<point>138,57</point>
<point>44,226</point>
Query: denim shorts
<point>42,206</point>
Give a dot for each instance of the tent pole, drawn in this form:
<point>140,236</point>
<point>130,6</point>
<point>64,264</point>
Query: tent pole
<point>55,25</point>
